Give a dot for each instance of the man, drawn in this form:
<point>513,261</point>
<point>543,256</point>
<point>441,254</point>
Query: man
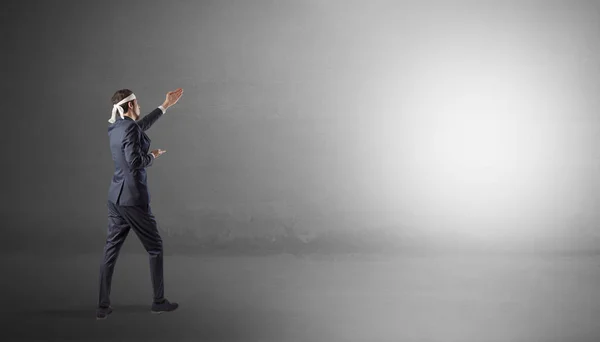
<point>128,197</point>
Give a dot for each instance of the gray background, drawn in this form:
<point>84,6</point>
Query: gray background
<point>301,114</point>
<point>303,136</point>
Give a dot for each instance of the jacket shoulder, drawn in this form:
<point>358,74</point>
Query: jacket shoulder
<point>123,125</point>
<point>123,130</point>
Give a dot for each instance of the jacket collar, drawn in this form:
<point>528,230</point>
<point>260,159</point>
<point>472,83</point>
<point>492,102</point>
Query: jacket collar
<point>125,118</point>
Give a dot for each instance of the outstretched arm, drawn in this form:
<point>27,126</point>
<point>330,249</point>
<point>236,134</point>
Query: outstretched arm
<point>172,97</point>
<point>147,121</point>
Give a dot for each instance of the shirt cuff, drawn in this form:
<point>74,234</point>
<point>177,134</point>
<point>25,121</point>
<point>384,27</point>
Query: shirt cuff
<point>152,154</point>
<point>162,108</point>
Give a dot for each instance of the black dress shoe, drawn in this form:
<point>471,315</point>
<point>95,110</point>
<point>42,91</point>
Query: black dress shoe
<point>102,313</point>
<point>165,306</point>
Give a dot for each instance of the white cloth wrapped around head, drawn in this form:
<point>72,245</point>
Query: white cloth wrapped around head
<point>118,108</point>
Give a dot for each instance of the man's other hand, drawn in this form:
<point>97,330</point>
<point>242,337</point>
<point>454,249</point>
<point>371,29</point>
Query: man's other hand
<point>157,153</point>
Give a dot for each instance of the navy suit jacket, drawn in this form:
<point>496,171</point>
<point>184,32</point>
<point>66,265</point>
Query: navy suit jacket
<point>129,146</point>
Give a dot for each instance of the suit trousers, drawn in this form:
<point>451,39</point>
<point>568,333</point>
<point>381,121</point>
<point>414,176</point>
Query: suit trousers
<point>120,220</point>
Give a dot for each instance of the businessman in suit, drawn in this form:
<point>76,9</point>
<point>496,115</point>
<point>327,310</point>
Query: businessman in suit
<point>128,197</point>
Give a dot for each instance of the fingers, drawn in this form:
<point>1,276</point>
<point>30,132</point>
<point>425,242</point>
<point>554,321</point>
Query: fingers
<point>174,96</point>
<point>158,153</point>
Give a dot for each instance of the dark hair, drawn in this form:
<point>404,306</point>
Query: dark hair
<point>119,96</point>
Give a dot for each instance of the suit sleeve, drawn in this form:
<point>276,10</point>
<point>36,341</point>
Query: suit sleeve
<point>148,120</point>
<point>135,157</point>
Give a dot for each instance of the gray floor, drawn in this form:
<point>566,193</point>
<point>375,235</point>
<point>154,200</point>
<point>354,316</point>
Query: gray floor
<point>284,298</point>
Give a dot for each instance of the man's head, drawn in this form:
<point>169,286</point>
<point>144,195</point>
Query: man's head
<point>131,108</point>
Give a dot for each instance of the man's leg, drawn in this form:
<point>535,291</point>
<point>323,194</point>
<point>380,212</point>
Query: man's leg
<point>118,228</point>
<point>143,222</point>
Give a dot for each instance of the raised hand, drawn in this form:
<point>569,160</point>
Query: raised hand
<point>172,97</point>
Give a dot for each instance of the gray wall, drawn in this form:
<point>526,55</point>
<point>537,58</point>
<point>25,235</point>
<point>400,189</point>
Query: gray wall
<point>298,114</point>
